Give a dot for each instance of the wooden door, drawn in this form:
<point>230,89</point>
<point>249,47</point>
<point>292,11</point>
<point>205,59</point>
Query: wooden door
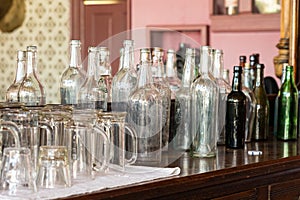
<point>101,24</point>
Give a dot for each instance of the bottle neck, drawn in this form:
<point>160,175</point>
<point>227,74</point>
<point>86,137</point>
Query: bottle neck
<point>30,61</point>
<point>259,77</point>
<point>218,64</point>
<point>158,66</point>
<point>289,75</point>
<point>170,65</point>
<point>205,60</point>
<point>92,63</point>
<point>75,59</point>
<point>104,65</point>
<point>236,82</point>
<point>247,78</point>
<point>128,58</point>
<point>188,70</point>
<point>21,70</point>
<point>145,75</point>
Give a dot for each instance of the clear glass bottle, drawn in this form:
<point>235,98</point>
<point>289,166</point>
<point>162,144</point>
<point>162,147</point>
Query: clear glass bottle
<point>171,72</point>
<point>224,90</point>
<point>163,87</point>
<point>13,89</point>
<point>124,81</point>
<point>250,102</point>
<point>183,106</point>
<point>29,91</point>
<point>288,107</point>
<point>104,71</point>
<point>204,92</point>
<point>261,122</point>
<point>91,95</point>
<point>73,77</point>
<point>145,113</point>
<point>35,72</point>
<point>236,113</point>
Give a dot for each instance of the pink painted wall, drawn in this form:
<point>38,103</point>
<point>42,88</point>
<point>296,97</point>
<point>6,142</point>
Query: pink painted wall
<point>176,12</point>
<point>235,44</point>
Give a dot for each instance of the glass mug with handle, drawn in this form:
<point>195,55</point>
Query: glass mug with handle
<point>87,143</point>
<point>114,125</point>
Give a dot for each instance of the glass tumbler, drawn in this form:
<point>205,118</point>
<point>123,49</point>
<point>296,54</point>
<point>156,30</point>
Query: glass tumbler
<point>17,175</point>
<point>54,169</point>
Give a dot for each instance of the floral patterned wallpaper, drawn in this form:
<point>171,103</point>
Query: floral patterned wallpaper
<point>47,25</point>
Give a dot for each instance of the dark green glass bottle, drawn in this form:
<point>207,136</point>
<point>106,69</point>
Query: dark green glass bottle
<point>287,107</point>
<point>261,122</point>
<point>235,121</point>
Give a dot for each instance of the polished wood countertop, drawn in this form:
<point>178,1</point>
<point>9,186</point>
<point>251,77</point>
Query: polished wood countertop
<point>230,172</point>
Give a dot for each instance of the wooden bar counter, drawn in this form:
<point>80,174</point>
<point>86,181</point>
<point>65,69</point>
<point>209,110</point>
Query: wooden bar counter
<point>232,174</point>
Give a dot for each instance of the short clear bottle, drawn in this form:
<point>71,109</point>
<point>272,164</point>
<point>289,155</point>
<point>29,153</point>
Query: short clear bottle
<point>91,94</point>
<point>124,81</point>
<point>73,76</point>
<point>29,91</point>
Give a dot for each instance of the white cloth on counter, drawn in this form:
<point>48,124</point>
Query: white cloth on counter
<point>111,179</point>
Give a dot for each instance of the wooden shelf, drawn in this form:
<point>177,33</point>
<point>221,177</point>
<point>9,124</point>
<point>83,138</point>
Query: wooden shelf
<point>245,22</point>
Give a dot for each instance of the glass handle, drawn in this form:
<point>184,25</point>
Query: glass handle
<point>14,130</point>
<point>106,147</point>
<point>49,133</point>
<point>134,142</point>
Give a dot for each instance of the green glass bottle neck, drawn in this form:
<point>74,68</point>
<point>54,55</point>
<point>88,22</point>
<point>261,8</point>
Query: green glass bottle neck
<point>259,77</point>
<point>289,75</point>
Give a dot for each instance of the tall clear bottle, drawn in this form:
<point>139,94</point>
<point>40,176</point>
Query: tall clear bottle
<point>13,89</point>
<point>183,106</point>
<point>224,90</point>
<point>104,71</point>
<point>73,77</point>
<point>204,92</point>
<point>171,72</point>
<point>288,107</point>
<point>163,87</point>
<point>29,91</point>
<point>145,113</point>
<point>261,122</point>
<point>250,102</point>
<point>124,81</point>
<point>236,113</point>
<point>35,72</point>
<point>92,95</point>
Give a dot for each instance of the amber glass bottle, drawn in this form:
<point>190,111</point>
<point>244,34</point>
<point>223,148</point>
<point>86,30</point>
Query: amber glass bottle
<point>261,122</point>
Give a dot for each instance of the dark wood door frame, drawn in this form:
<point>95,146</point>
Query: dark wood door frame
<point>78,23</point>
